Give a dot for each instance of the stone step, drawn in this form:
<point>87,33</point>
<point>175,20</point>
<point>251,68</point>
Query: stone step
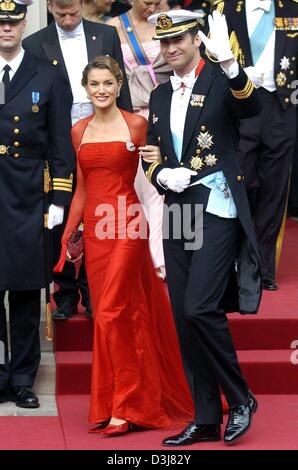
<point>47,407</point>
<point>45,382</point>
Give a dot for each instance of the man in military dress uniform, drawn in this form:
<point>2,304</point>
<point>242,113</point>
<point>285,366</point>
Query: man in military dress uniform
<point>72,42</point>
<point>193,119</point>
<point>34,142</point>
<point>264,38</point>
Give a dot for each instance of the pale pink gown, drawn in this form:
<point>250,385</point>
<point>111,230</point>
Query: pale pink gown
<point>150,199</point>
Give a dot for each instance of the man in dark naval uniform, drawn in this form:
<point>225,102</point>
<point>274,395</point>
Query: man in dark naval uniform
<point>211,257</point>
<point>72,42</point>
<point>35,152</point>
<point>264,39</point>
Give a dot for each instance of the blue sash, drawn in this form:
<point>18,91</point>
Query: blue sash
<point>133,39</point>
<point>262,33</point>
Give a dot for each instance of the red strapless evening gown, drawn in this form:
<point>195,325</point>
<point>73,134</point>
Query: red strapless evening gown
<point>137,372</point>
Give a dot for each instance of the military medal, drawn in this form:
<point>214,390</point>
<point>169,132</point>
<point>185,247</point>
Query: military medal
<point>211,160</point>
<point>197,100</point>
<point>285,63</point>
<point>205,140</point>
<point>281,79</point>
<point>196,163</point>
<point>35,100</point>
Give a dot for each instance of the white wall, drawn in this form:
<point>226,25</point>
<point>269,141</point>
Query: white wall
<point>36,17</point>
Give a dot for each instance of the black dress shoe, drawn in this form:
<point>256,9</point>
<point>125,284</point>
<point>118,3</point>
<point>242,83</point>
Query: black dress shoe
<point>64,311</point>
<point>88,310</point>
<point>3,396</point>
<point>269,283</point>
<point>240,419</point>
<point>24,398</point>
<point>194,433</point>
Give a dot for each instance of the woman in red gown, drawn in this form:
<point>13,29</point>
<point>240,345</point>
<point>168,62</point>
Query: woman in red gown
<point>137,372</point>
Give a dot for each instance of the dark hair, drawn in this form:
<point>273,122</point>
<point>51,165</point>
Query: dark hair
<point>103,62</point>
<point>175,3</point>
<point>194,31</point>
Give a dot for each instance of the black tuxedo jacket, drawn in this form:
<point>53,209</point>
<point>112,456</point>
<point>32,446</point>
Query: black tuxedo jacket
<point>224,102</point>
<point>286,42</point>
<point>101,39</point>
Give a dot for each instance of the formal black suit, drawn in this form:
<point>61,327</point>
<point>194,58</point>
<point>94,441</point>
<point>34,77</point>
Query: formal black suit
<point>32,135</point>
<point>100,40</point>
<point>203,283</point>
<point>267,141</point>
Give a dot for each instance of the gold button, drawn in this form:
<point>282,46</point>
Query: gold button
<point>204,4</point>
<point>16,118</point>
<point>181,163</point>
<point>287,100</point>
<point>16,155</point>
<point>239,178</point>
<point>288,86</point>
<point>158,139</point>
<point>198,151</point>
<point>203,128</point>
<point>294,58</point>
<point>291,72</point>
<point>16,144</point>
<point>165,159</point>
<point>16,131</point>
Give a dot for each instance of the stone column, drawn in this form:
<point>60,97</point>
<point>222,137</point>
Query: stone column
<point>36,17</point>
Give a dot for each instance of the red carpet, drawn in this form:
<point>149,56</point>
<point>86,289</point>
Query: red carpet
<point>27,433</point>
<point>263,342</point>
<point>275,426</point>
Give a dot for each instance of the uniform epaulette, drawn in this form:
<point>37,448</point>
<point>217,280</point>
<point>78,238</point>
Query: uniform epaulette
<point>219,5</point>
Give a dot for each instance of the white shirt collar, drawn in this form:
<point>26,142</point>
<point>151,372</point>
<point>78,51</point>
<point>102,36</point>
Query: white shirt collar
<point>262,4</point>
<point>191,75</point>
<point>14,63</point>
<point>75,33</point>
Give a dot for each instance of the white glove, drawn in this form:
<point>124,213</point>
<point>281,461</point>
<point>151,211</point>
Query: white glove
<point>255,76</point>
<point>176,179</point>
<point>218,44</point>
<point>56,214</point>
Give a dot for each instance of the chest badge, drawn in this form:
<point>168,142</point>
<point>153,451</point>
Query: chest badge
<point>197,100</point>
<point>285,63</point>
<point>196,163</point>
<point>211,160</point>
<point>205,140</point>
<point>35,101</point>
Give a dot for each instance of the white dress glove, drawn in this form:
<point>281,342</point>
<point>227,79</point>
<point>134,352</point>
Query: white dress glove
<point>255,76</point>
<point>56,215</point>
<point>218,44</point>
<point>176,179</point>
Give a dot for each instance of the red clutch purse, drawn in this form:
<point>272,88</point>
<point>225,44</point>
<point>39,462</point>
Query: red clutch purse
<point>75,246</point>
